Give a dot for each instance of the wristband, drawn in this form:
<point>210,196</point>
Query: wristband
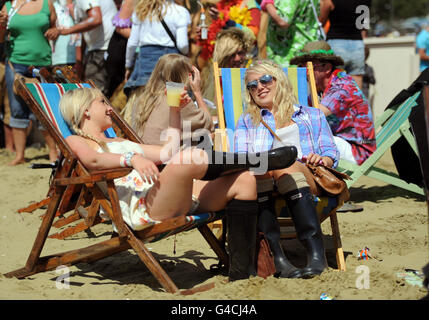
<point>128,156</point>
<point>122,161</point>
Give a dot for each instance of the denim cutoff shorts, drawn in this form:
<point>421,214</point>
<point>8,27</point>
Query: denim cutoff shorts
<point>353,54</point>
<point>145,63</point>
<point>20,114</point>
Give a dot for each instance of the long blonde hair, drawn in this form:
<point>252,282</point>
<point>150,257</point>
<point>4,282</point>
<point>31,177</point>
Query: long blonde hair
<point>151,9</point>
<point>170,67</point>
<point>73,105</point>
<point>284,98</point>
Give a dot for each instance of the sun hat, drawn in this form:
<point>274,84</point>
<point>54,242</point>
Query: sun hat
<point>317,50</point>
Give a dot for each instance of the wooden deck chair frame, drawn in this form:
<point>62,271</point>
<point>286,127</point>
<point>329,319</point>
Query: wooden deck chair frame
<point>303,81</point>
<point>73,173</point>
<point>73,200</point>
<point>390,126</point>
<point>60,74</point>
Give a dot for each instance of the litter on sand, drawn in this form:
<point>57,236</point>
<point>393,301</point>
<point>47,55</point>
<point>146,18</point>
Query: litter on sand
<point>365,254</point>
<point>325,296</point>
<point>412,277</point>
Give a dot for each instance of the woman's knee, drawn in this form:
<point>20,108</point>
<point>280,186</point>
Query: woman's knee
<point>244,186</point>
<point>191,161</point>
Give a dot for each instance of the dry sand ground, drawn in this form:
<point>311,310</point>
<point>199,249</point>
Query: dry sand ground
<point>393,225</point>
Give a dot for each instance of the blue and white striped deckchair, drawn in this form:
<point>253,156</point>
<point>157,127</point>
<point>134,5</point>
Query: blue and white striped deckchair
<point>390,126</point>
<point>43,100</point>
<point>229,87</point>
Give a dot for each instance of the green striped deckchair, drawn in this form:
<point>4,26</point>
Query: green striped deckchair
<point>43,98</point>
<point>390,126</point>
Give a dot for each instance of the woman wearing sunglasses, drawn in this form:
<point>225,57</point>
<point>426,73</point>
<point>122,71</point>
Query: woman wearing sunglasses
<point>272,119</point>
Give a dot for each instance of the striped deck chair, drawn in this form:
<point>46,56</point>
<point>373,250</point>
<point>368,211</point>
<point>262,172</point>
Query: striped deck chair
<point>229,86</point>
<point>43,101</point>
<point>390,126</point>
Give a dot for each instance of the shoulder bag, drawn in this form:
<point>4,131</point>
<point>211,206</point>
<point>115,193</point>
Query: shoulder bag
<point>170,34</point>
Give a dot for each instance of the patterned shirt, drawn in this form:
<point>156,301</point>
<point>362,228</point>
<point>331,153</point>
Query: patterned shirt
<point>314,132</point>
<point>351,117</point>
<point>284,44</point>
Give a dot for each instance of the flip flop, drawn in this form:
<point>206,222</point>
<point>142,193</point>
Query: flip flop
<point>347,206</point>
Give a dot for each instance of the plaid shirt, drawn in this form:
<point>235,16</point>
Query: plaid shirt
<point>314,132</point>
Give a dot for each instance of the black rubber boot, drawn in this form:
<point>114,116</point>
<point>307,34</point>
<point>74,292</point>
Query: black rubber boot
<point>222,163</point>
<point>307,225</point>
<point>241,238</point>
<point>268,224</point>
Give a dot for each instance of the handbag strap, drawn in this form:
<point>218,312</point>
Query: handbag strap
<point>271,130</point>
<point>170,34</point>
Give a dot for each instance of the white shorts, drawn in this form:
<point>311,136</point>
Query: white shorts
<point>345,149</point>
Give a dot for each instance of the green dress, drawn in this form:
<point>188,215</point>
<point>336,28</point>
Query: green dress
<point>283,44</point>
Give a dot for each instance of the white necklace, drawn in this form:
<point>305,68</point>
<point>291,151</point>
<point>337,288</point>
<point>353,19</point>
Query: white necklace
<point>13,10</point>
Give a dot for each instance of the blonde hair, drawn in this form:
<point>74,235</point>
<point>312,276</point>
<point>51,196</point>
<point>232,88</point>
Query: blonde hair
<point>170,67</point>
<point>228,42</point>
<point>150,9</point>
<point>73,105</point>
<point>284,98</point>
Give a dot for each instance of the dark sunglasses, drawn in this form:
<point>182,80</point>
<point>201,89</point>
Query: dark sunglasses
<point>266,79</point>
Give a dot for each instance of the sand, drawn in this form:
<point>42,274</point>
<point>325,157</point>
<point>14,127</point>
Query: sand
<point>394,225</point>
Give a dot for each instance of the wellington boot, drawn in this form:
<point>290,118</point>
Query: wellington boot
<point>241,237</point>
<point>268,224</point>
<point>307,225</point>
<point>222,163</point>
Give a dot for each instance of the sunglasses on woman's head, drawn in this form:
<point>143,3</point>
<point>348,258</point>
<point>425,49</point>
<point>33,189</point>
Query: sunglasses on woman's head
<point>266,79</point>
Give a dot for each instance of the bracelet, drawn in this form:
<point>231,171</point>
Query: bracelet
<point>122,161</point>
<point>128,157</point>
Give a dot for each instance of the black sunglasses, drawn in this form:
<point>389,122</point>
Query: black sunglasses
<point>264,80</point>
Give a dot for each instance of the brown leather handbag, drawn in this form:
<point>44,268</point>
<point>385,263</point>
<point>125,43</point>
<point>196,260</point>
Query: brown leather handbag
<point>264,256</point>
<point>330,181</point>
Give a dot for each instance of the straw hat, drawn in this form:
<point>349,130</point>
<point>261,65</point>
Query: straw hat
<point>317,50</point>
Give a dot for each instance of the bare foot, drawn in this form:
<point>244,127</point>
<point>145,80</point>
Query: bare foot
<point>15,162</point>
<point>53,156</point>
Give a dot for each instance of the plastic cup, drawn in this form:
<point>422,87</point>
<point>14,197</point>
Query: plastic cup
<point>174,90</point>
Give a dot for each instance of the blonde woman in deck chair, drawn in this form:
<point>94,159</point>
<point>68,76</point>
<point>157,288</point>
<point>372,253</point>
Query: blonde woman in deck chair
<point>190,181</point>
<point>273,118</point>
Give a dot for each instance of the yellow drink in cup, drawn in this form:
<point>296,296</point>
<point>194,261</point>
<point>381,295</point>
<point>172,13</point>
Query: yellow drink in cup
<point>174,90</point>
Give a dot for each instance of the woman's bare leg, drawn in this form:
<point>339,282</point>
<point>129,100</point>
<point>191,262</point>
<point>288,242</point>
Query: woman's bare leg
<point>214,195</point>
<point>19,139</point>
<point>171,195</point>
<point>298,167</point>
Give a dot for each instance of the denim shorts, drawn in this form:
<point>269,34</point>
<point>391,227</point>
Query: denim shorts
<point>353,54</point>
<point>20,114</point>
<point>145,63</point>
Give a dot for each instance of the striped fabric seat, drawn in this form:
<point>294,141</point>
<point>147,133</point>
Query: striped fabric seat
<point>48,96</point>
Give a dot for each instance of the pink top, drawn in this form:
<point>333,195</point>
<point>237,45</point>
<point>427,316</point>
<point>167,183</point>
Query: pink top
<point>264,4</point>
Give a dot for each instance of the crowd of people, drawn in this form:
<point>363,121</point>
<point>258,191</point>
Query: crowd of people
<point>136,47</point>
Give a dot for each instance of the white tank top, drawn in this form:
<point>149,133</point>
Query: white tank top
<point>290,137</point>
